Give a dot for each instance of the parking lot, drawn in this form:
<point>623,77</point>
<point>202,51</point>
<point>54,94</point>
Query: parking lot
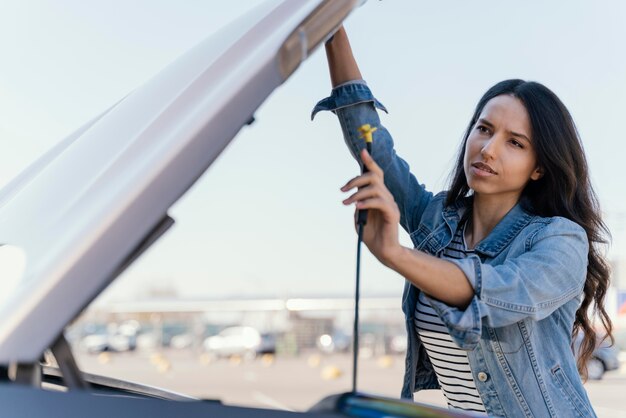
<point>292,382</point>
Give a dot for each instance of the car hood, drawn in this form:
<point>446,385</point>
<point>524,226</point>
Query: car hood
<point>72,221</point>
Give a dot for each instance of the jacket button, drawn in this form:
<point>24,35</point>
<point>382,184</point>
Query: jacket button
<point>482,376</point>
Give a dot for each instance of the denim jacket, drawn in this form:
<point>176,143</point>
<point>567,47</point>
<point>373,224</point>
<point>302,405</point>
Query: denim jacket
<point>528,276</point>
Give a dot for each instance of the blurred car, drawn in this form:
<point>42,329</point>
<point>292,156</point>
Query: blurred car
<point>398,344</point>
<point>234,341</point>
<point>268,344</point>
<point>181,341</point>
<point>95,343</point>
<point>98,343</point>
<point>74,220</point>
<point>112,337</point>
<point>337,342</point>
<point>173,333</point>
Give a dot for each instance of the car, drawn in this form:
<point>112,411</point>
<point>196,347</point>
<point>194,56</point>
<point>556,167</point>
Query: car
<point>336,342</point>
<point>82,213</point>
<point>241,341</point>
<point>267,345</point>
<point>174,332</point>
<point>99,338</point>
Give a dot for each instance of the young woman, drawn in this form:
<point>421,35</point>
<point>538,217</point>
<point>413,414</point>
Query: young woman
<point>506,266</point>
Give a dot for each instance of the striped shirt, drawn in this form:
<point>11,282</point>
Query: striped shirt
<point>449,361</point>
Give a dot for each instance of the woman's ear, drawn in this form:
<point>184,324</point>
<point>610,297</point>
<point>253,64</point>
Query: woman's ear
<point>537,174</point>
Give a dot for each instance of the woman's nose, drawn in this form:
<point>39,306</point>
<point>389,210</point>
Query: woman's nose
<point>488,149</point>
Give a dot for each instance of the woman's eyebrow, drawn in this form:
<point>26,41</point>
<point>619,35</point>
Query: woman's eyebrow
<point>491,125</point>
<point>485,122</point>
<point>520,136</point>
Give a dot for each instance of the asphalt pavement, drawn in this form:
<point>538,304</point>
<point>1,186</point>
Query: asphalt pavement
<point>294,383</point>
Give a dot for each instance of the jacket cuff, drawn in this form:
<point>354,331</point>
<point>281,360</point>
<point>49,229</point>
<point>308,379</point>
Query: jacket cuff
<point>464,326</point>
<point>470,266</point>
<point>347,94</point>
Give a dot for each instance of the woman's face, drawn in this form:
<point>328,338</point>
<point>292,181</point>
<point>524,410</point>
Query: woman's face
<point>499,154</point>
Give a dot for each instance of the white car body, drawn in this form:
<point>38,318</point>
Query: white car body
<point>242,341</point>
<point>85,210</point>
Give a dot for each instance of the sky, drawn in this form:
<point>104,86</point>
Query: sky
<point>266,219</point>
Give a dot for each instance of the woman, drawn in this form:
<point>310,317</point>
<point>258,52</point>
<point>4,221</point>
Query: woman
<point>506,263</point>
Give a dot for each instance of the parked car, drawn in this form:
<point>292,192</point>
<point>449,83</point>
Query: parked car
<point>398,344</point>
<point>74,220</point>
<point>268,344</point>
<point>170,331</point>
<point>337,342</point>
<point>99,338</point>
<point>98,343</point>
<point>234,341</point>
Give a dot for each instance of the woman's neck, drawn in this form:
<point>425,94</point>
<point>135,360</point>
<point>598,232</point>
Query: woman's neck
<point>487,211</point>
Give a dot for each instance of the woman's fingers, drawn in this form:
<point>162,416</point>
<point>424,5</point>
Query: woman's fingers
<point>372,192</point>
<point>370,163</point>
<point>389,210</point>
<point>363,180</point>
<point>368,192</point>
<point>374,198</point>
<point>369,182</point>
<point>351,183</point>
<point>361,194</point>
<point>375,173</point>
<point>360,181</point>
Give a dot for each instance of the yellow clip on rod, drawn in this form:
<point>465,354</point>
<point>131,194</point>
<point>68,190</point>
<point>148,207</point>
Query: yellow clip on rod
<point>366,132</point>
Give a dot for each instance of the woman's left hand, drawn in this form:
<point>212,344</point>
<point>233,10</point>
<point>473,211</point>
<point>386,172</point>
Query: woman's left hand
<point>380,233</point>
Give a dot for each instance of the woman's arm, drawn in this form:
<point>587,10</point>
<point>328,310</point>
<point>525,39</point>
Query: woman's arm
<point>341,62</point>
<point>355,105</point>
<point>438,278</point>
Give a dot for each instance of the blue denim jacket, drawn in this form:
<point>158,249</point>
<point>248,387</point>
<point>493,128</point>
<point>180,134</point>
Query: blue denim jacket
<point>528,276</point>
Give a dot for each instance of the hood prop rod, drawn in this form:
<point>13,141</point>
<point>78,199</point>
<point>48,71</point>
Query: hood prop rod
<point>365,132</point>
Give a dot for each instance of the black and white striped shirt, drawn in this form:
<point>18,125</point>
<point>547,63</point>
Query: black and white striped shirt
<point>449,361</point>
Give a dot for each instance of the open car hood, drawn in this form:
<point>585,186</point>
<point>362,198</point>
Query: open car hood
<point>72,221</point>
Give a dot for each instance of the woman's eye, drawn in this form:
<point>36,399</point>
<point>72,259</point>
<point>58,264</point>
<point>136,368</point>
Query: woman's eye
<point>517,143</point>
<point>482,129</point>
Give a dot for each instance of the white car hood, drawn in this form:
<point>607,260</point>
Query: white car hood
<point>81,213</point>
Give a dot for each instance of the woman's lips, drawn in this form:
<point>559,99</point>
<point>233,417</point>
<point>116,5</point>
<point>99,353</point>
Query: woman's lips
<point>483,169</point>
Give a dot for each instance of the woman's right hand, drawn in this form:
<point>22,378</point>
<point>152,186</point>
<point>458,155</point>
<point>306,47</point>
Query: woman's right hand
<point>380,233</point>
<point>341,62</point>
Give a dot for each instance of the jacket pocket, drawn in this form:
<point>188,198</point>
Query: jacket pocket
<point>579,406</point>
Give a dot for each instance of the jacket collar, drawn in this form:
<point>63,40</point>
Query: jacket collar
<point>503,233</point>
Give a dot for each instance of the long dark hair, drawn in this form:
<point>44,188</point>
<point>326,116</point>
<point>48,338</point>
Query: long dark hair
<point>563,190</point>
